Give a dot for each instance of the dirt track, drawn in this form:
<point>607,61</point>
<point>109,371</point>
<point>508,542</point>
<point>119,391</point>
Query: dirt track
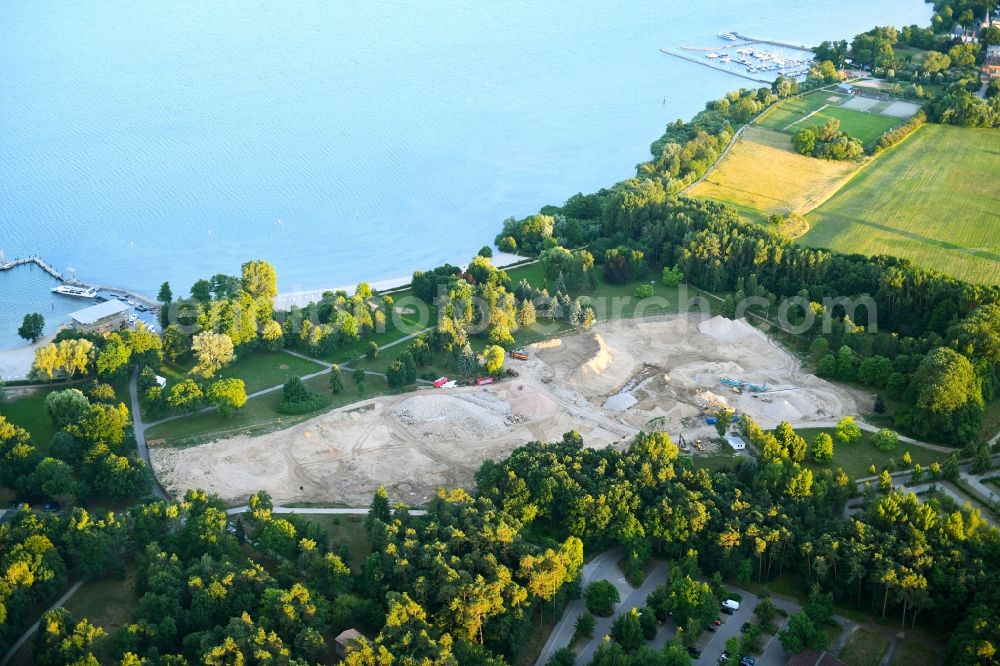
<point>607,384</point>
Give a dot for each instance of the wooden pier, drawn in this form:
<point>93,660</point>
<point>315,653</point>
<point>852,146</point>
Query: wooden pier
<point>48,268</point>
<point>38,261</point>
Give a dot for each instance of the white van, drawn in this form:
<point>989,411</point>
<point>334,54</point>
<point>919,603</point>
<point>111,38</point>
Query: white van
<point>731,604</point>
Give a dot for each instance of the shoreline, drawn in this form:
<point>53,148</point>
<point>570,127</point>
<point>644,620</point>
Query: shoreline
<point>16,362</point>
<point>285,300</point>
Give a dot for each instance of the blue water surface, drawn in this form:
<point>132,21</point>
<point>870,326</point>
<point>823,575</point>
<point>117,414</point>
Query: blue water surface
<point>144,141</point>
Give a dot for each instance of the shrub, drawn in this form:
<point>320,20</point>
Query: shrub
<point>885,439</point>
<point>644,291</point>
<point>300,400</point>
<point>584,627</point>
<point>601,597</point>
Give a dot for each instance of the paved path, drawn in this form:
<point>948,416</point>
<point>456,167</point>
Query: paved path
<point>603,566</point>
<point>34,627</point>
<point>139,427</point>
<point>334,511</point>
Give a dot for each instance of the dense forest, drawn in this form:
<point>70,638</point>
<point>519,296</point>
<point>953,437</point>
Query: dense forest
<point>464,583</point>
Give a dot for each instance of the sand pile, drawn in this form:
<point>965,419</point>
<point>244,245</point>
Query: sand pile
<point>710,399</point>
<point>599,362</point>
<point>728,330</point>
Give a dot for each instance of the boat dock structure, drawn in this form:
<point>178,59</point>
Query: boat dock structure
<point>772,42</point>
<point>711,65</point>
<point>38,261</point>
<point>35,260</point>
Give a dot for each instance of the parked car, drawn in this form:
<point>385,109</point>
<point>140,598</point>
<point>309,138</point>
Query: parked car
<point>694,652</point>
<point>716,621</point>
<point>712,628</point>
<point>724,658</point>
<point>747,661</point>
<point>745,628</point>
<point>727,611</point>
<point>731,603</point>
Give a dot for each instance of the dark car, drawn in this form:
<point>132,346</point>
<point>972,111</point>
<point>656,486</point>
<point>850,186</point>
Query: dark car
<point>727,611</point>
<point>745,628</point>
<point>694,652</point>
<point>712,628</point>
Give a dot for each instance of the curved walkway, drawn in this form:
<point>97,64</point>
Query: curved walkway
<point>333,511</point>
<point>34,627</point>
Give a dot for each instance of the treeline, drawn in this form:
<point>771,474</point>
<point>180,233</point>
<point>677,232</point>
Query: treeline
<point>828,142</point>
<point>897,134</point>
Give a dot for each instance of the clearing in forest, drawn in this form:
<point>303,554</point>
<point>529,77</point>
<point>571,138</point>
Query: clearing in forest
<point>762,172</point>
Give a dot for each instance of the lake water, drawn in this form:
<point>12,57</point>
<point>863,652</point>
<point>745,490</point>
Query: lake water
<point>157,140</point>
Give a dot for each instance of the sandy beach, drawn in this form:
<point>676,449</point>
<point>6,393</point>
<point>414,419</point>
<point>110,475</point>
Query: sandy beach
<point>300,298</point>
<point>16,363</point>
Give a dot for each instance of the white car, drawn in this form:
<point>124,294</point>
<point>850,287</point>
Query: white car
<point>731,604</point>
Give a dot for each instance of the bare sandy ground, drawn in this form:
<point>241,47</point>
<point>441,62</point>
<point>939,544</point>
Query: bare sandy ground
<point>16,363</point>
<point>607,384</point>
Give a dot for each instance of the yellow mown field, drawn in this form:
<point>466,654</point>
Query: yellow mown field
<point>762,172</point>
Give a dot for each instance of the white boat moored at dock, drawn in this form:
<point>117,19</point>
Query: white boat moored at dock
<point>71,290</point>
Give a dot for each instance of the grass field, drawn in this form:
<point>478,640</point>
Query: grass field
<point>794,110</point>
<point>933,199</point>
<point>864,126</point>
<point>865,648</point>
<point>348,530</point>
<point>915,653</point>
<point>857,458</point>
<point>258,369</point>
<point>258,417</point>
<point>763,173</point>
<point>25,407</point>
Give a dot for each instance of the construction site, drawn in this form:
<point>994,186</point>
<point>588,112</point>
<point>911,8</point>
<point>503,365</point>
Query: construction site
<point>670,373</point>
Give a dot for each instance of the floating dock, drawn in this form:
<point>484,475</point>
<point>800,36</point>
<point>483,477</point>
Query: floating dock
<point>772,42</point>
<point>711,65</point>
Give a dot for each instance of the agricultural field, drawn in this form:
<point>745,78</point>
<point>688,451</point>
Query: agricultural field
<point>763,173</point>
<point>931,200</point>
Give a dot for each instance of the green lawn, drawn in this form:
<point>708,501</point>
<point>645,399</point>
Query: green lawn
<point>258,369</point>
<point>915,653</point>
<point>106,602</point>
<point>865,648</point>
<point>792,110</point>
<point>931,199</point>
<point>25,407</point>
<point>258,417</point>
<point>855,459</point>
<point>864,126</point>
<point>347,530</point>
<point>618,301</point>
